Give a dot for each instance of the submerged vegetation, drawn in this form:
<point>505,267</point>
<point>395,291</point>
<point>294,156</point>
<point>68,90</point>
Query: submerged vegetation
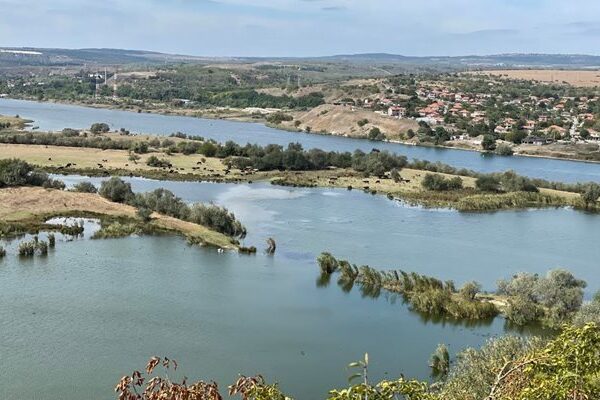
<point>424,294</point>
<point>553,300</point>
<point>32,247</point>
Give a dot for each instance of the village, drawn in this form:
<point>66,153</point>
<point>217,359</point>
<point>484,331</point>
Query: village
<point>470,115</point>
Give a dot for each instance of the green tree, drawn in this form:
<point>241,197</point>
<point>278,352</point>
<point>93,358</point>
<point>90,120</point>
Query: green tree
<point>488,143</point>
<point>115,189</point>
<point>591,194</point>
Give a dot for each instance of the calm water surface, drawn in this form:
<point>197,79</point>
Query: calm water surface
<point>74,322</point>
<point>54,117</point>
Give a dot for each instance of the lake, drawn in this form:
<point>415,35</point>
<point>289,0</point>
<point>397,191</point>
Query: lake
<point>55,117</point>
<point>93,310</point>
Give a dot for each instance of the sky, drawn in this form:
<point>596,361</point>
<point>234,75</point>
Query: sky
<point>306,27</point>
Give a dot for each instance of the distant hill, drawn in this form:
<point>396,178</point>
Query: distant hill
<point>72,57</point>
<point>498,60</point>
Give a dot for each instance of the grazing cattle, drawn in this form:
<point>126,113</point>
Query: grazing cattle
<point>49,158</point>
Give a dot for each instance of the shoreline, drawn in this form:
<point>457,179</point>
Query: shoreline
<point>63,160</point>
<point>263,121</point>
<point>26,209</point>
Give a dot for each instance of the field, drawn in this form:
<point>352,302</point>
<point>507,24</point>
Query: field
<point>31,203</point>
<point>573,78</point>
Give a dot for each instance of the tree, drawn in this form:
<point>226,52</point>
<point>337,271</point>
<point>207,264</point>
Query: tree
<point>504,149</point>
<point>376,134</point>
<point>589,313</point>
<point>590,194</point>
<point>488,143</point>
<point>470,290</point>
<point>99,127</point>
<point>395,175</point>
<point>476,370</point>
<point>144,214</point>
<point>14,172</point>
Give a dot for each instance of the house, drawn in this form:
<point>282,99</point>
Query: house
<point>396,111</point>
<point>556,130</point>
<point>536,140</point>
<point>543,118</point>
<point>501,129</point>
<point>529,125</point>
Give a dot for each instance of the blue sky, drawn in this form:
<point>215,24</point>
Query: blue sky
<point>306,27</point>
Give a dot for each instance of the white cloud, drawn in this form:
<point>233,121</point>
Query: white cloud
<point>305,27</point>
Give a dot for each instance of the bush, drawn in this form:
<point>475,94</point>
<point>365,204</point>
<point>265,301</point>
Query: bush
<point>99,127</point>
<point>591,194</point>
<point>115,189</point>
<point>362,122</point>
<point>278,117</point>
<point>376,134</point>
<point>488,143</point>
<point>15,172</point>
<point>68,132</point>
<point>144,214</point>
<point>440,183</point>
<point>140,147</point>
<point>511,182</point>
<point>487,183</point>
<point>164,202</point>
<point>154,161</point>
<point>2,252</point>
<point>504,149</point>
<point>555,298</point>
<point>218,219</point>
<point>85,187</point>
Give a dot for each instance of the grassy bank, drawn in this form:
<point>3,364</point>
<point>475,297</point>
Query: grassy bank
<point>195,167</point>
<point>25,209</point>
<point>16,122</point>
